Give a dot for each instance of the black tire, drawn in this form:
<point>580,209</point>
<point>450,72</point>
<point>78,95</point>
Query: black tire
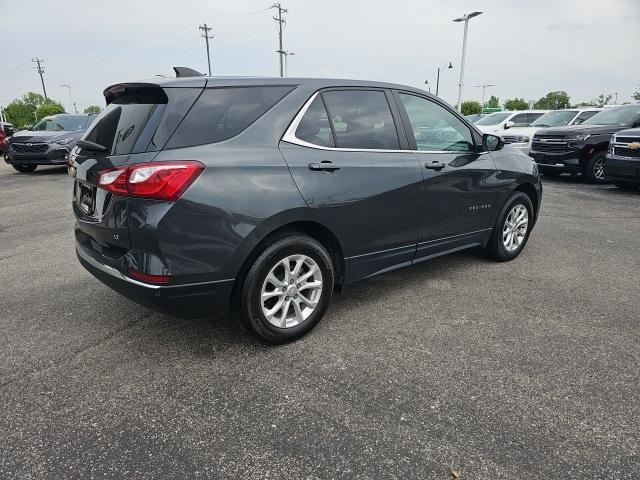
<point>24,168</point>
<point>495,248</point>
<point>247,307</point>
<point>626,185</point>
<point>589,168</point>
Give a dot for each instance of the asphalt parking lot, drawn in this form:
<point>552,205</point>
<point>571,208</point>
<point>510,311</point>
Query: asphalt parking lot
<point>528,369</point>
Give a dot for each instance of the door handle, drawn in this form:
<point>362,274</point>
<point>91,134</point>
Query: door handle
<point>324,166</point>
<point>435,165</point>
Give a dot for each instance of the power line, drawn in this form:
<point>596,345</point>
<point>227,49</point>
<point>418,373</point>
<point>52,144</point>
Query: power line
<point>206,36</point>
<point>40,70</point>
<point>280,21</point>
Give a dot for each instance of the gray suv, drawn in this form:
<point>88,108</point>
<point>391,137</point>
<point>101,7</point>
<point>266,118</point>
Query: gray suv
<point>263,196</point>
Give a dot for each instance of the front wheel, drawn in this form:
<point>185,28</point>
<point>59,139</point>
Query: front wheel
<point>287,289</point>
<point>593,169</point>
<point>24,168</point>
<point>512,230</point>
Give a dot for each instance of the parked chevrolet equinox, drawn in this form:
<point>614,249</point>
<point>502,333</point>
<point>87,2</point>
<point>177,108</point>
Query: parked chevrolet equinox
<point>263,196</point>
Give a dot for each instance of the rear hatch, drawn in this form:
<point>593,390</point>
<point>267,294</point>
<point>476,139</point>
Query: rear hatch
<point>136,123</point>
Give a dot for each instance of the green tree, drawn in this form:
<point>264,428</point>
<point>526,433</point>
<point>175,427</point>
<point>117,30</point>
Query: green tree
<point>23,111</point>
<point>516,104</point>
<point>601,100</point>
<point>554,101</point>
<point>494,102</point>
<point>91,109</point>
<point>50,107</point>
<point>470,107</point>
<point>636,94</point>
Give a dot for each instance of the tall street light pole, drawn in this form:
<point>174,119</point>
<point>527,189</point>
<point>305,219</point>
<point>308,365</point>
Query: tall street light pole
<point>465,18</point>
<point>438,80</point>
<point>69,87</point>
<point>484,88</point>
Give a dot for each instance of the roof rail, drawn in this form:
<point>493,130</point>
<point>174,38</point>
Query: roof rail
<point>186,72</point>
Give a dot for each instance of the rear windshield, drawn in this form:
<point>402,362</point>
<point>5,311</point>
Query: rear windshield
<point>222,113</point>
<point>142,120</point>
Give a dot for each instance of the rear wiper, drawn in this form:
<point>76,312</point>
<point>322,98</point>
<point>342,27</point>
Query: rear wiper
<point>91,146</point>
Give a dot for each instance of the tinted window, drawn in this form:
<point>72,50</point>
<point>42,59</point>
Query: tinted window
<point>520,120</point>
<point>222,113</point>
<point>583,116</point>
<point>314,126</point>
<point>362,119</point>
<point>67,123</point>
<point>120,126</point>
<point>434,127</point>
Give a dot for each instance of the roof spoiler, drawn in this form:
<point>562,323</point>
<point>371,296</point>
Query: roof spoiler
<point>186,72</point>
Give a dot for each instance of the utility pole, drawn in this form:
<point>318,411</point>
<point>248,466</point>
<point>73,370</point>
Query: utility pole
<point>71,102</point>
<point>465,18</point>
<point>280,21</point>
<point>205,34</point>
<point>40,70</point>
<point>484,88</point>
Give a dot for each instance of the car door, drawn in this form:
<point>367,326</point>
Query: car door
<point>352,164</point>
<point>460,181</point>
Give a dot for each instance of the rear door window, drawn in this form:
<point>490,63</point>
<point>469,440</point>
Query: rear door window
<point>362,119</point>
<point>223,113</point>
<point>315,127</point>
<point>532,117</point>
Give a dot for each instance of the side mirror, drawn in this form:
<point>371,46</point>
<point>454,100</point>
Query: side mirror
<point>509,124</point>
<point>491,143</point>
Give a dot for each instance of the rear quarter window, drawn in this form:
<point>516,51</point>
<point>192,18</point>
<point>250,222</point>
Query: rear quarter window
<point>223,113</point>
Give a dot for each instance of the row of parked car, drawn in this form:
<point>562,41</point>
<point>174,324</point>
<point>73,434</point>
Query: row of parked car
<point>600,144</point>
<point>593,142</point>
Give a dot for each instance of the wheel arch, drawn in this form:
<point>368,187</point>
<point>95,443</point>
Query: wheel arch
<point>312,227</point>
<point>530,190</point>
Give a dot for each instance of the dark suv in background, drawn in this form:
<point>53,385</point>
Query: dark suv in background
<point>48,142</point>
<point>263,195</point>
<point>622,165</point>
<point>582,148</point>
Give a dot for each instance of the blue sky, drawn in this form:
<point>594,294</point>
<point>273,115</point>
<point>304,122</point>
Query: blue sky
<point>526,48</point>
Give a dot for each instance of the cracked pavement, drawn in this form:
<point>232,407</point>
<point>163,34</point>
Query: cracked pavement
<point>528,369</point>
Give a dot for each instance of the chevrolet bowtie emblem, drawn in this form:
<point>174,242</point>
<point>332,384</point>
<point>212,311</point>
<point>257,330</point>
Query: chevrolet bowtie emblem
<point>634,145</point>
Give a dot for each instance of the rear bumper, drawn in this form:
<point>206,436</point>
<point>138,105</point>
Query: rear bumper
<point>191,300</point>
<point>622,168</point>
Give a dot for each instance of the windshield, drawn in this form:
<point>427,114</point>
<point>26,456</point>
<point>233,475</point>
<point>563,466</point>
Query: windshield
<point>559,118</point>
<point>66,123</point>
<point>626,115</point>
<point>493,119</point>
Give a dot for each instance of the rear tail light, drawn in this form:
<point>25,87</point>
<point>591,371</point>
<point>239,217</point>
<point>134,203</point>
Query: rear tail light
<point>157,180</point>
<point>146,277</point>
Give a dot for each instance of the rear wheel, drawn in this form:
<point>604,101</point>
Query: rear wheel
<point>626,185</point>
<point>593,169</point>
<point>512,230</point>
<point>287,289</point>
<point>24,168</point>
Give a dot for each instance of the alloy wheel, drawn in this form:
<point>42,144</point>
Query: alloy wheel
<point>515,228</point>
<point>598,168</point>
<point>291,291</point>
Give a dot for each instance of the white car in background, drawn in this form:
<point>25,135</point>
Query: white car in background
<point>497,122</point>
<point>520,137</point>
